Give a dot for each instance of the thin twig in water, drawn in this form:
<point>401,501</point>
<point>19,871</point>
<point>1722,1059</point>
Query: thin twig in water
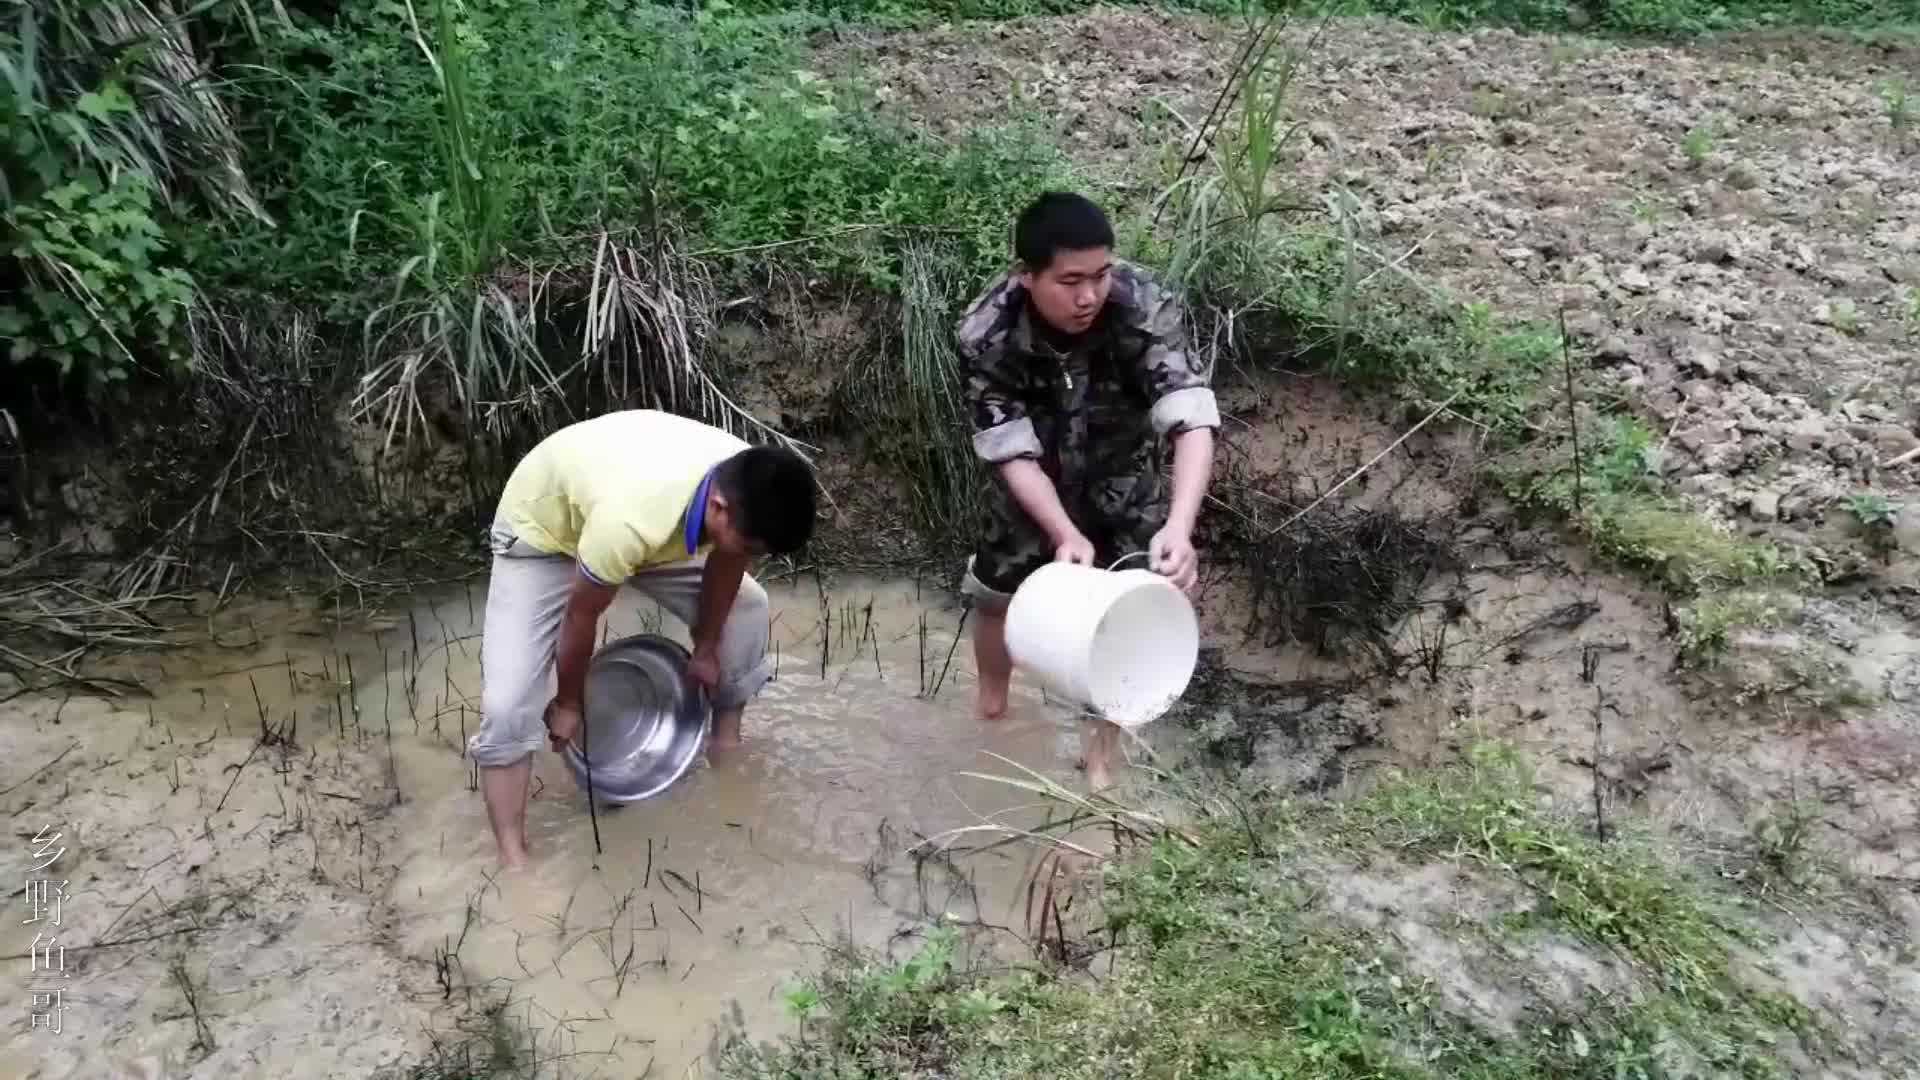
<point>1599,813</point>
<point>952,647</point>
<point>257,744</point>
<point>43,768</point>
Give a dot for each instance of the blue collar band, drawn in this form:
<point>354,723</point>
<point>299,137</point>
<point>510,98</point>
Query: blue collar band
<point>697,512</point>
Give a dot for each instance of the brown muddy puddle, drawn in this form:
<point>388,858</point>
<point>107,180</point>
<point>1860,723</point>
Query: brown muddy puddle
<point>704,904</point>
<point>331,894</point>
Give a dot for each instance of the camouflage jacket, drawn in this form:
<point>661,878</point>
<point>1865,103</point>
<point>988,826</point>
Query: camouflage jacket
<point>1096,411</point>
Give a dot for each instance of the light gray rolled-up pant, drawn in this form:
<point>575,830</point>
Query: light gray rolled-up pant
<point>526,597</point>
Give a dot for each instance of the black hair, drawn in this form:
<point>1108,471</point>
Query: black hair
<point>771,491</point>
<point>1059,221</point>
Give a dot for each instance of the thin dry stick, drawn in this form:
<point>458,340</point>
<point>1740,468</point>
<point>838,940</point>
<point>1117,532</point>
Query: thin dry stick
<point>1911,455</point>
<point>66,676</point>
<point>593,810</point>
<point>1599,724</point>
<point>1356,474</point>
<point>43,768</point>
<point>257,744</point>
<point>1573,413</point>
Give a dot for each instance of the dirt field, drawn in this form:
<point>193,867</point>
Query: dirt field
<point>1733,229</point>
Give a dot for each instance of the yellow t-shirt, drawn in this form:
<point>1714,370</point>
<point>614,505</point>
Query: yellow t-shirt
<point>612,491</point>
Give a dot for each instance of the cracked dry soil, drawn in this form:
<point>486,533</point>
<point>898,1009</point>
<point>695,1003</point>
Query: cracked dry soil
<point>1733,227</point>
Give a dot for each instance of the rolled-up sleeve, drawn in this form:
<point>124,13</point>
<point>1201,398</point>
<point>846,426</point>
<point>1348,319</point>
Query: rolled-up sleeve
<point>1007,441</point>
<point>1002,430</point>
<point>1179,389</point>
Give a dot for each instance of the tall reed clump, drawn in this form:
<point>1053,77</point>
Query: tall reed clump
<point>925,391</point>
<point>615,319</point>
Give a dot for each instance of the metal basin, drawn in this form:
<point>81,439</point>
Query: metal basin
<point>646,723</point>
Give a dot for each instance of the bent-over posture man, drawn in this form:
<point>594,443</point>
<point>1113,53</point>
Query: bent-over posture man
<point>670,505</point>
<point>1078,372</point>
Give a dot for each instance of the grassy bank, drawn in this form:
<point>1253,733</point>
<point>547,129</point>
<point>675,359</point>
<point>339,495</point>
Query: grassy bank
<point>458,224</point>
<point>1439,926</point>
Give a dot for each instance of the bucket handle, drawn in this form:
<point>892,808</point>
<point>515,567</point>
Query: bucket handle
<point>1130,555</point>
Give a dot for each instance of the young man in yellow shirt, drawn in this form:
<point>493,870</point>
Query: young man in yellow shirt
<point>672,506</point>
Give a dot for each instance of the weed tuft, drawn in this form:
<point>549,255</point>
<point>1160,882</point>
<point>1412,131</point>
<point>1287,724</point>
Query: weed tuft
<point>1231,956</point>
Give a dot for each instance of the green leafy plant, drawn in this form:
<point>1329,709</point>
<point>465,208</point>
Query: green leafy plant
<point>97,278</point>
<point>1696,145</point>
<point>1257,144</point>
<point>1872,509</point>
<point>1894,92</point>
<point>1846,316</point>
<point>1705,627</point>
<point>105,130</point>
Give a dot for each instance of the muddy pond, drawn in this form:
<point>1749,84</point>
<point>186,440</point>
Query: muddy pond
<point>704,903</point>
<point>291,827</point>
<point>276,862</point>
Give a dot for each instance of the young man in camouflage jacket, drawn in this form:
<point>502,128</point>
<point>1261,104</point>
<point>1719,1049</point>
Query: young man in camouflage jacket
<point>1078,370</point>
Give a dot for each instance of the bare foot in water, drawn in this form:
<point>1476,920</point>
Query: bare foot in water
<point>724,737</point>
<point>1099,779</point>
<point>1099,746</point>
<point>990,706</point>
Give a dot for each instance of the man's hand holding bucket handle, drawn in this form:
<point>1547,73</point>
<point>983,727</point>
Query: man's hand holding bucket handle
<point>1074,548</point>
<point>1172,555</point>
<point>1171,552</point>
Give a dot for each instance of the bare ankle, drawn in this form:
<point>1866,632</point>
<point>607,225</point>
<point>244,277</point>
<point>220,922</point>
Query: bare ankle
<point>725,733</point>
<point>991,704</point>
<point>994,664</point>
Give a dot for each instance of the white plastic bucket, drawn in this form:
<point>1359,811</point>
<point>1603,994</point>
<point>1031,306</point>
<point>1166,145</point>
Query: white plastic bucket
<point>1123,643</point>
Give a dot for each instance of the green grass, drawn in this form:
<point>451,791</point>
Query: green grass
<point>1622,505</point>
<point>1234,960</point>
<point>1707,625</point>
<point>575,117</point>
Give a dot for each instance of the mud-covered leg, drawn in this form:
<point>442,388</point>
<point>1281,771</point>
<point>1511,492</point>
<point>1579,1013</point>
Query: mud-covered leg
<point>526,598</point>
<point>1100,751</point>
<point>1011,547</point>
<point>994,663</point>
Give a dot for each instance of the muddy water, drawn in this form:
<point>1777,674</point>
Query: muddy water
<point>249,829</point>
<point>701,906</point>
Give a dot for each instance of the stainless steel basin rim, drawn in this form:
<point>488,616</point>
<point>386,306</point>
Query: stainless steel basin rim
<point>646,724</point>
